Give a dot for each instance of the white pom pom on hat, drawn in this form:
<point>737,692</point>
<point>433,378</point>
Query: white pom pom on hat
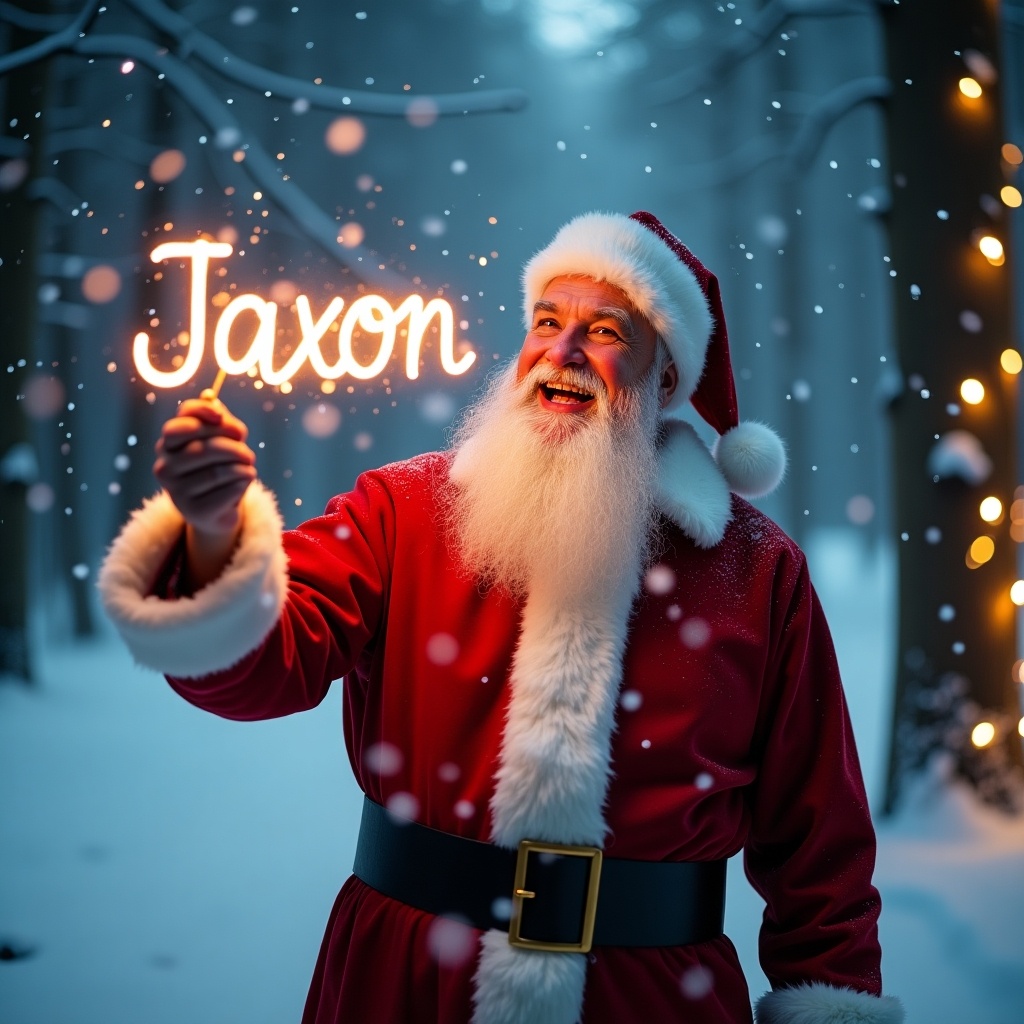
<point>682,300</point>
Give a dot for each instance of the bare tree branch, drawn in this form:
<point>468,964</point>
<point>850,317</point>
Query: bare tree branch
<point>104,141</point>
<point>227,131</point>
<point>831,108</point>
<point>13,147</point>
<point>221,60</point>
<point>56,192</point>
<point>63,39</point>
<point>799,153</point>
<point>737,47</point>
<point>31,22</point>
<point>229,136</point>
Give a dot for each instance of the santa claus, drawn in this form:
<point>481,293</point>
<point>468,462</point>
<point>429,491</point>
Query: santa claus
<point>580,672</point>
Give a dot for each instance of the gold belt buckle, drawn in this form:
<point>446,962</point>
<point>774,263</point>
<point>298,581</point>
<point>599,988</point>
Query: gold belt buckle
<point>520,893</point>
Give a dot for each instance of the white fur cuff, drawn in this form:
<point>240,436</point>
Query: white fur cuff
<point>220,624</point>
<point>822,1004</point>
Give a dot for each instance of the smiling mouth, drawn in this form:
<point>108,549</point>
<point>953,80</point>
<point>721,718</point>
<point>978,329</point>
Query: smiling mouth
<point>566,394</point>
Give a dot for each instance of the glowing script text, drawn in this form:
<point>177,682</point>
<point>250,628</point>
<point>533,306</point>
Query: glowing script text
<point>369,314</point>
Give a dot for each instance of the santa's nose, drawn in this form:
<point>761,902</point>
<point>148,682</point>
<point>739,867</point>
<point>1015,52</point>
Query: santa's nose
<point>566,349</point>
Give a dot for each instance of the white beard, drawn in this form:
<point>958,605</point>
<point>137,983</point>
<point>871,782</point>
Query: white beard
<point>559,502</point>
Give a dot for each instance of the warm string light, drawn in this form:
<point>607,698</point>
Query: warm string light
<point>1010,360</point>
<point>991,509</point>
<point>970,87</point>
<point>1017,516</point>
<point>992,249</point>
<point>981,551</point>
<point>1010,196</point>
<point>1017,593</point>
<point>983,734</point>
<point>972,391</point>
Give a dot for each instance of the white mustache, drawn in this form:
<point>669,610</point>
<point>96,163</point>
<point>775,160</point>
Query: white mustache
<point>574,376</point>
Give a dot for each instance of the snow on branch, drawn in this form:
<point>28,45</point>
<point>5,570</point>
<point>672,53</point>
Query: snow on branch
<point>221,60</point>
<point>732,51</point>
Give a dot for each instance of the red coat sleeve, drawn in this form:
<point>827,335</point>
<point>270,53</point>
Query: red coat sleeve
<point>338,571</point>
<point>811,849</point>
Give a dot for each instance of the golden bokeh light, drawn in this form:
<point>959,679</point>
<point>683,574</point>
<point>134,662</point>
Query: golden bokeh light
<point>970,88</point>
<point>1010,195</point>
<point>983,734</point>
<point>972,391</point>
<point>1012,154</point>
<point>992,249</point>
<point>991,509</point>
<point>1017,593</point>
<point>981,550</point>
<point>1010,360</point>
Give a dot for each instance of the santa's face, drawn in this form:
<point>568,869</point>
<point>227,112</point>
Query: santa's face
<point>586,336</point>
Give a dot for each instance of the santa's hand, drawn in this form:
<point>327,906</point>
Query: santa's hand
<point>205,466</point>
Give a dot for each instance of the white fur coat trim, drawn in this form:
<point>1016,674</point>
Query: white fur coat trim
<point>692,491</point>
<point>221,623</point>
<point>817,1003</point>
<point>552,778</point>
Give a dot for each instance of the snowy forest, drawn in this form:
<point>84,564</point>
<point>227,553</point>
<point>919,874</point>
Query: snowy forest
<point>850,170</point>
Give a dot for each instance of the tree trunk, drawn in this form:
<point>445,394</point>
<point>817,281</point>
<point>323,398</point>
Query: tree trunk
<point>956,638</point>
<point>24,94</point>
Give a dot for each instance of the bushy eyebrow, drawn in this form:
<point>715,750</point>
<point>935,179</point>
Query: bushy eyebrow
<point>626,326</point>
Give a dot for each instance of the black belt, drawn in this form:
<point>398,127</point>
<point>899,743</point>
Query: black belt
<point>553,894</point>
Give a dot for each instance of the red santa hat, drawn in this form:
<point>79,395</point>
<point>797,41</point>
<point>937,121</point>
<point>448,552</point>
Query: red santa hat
<point>682,300</point>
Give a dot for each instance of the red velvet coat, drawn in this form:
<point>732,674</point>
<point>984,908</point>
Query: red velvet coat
<point>735,735</point>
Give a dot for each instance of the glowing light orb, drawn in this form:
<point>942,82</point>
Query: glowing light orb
<point>983,734</point>
<point>972,391</point>
<point>981,550</point>
<point>101,284</point>
<point>991,509</point>
<point>166,166</point>
<point>992,249</point>
<point>1010,360</point>
<point>345,135</point>
<point>1017,593</point>
<point>1010,195</point>
<point>970,88</point>
<point>1012,154</point>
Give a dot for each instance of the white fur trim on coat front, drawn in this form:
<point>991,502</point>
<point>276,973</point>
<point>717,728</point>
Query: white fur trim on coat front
<point>222,622</point>
<point>552,778</point>
<point>692,491</point>
<point>614,248</point>
<point>817,1003</point>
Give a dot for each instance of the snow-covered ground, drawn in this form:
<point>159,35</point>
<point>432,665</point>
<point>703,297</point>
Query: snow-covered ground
<point>167,867</point>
